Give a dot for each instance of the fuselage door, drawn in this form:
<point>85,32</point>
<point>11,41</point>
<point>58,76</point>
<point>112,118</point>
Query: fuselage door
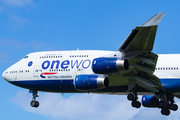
<point>16,77</point>
<point>36,71</point>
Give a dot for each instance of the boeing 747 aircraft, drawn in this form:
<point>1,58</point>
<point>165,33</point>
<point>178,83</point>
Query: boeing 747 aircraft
<point>132,70</point>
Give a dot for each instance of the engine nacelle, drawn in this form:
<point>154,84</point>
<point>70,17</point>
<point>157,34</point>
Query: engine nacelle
<point>149,101</point>
<point>109,65</point>
<point>90,82</point>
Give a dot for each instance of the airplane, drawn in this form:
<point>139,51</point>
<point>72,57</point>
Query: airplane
<point>132,70</point>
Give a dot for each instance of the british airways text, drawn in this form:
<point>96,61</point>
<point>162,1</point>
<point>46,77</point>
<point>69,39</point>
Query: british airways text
<point>56,64</point>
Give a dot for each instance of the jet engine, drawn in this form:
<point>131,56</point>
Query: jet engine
<point>90,82</point>
<point>109,65</point>
<point>149,101</point>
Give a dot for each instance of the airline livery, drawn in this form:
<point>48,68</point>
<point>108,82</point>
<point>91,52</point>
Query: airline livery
<point>132,70</point>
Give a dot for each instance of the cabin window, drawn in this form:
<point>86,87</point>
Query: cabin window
<point>26,57</point>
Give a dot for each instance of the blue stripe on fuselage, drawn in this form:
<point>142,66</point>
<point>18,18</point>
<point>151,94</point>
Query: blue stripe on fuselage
<point>65,86</point>
<point>47,85</point>
<point>170,85</point>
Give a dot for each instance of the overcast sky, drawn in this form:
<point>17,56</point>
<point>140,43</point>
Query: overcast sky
<point>42,25</point>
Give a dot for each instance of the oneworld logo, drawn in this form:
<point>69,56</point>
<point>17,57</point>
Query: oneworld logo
<point>56,64</point>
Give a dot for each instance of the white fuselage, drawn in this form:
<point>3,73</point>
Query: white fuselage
<point>64,63</point>
<point>168,66</point>
<point>55,71</point>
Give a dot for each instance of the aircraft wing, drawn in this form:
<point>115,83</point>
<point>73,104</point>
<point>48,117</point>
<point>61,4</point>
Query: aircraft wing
<point>137,49</point>
<point>141,39</point>
<point>143,67</point>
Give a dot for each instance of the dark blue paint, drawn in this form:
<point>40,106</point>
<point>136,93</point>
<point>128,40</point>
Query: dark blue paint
<point>171,85</point>
<point>86,82</point>
<point>104,65</point>
<point>57,64</point>
<point>85,67</point>
<point>42,76</point>
<point>76,62</point>
<point>66,86</point>
<point>48,85</point>
<point>149,101</point>
<point>30,63</point>
<point>65,64</point>
<point>45,62</point>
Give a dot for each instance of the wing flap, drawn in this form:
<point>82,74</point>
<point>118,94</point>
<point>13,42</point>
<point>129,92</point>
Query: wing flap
<point>143,72</point>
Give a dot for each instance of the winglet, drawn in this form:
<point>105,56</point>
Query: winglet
<point>154,21</point>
